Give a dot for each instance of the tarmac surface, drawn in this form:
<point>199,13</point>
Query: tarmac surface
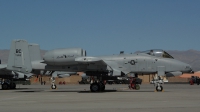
<point>116,98</point>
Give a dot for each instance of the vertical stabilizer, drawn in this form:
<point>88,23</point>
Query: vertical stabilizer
<point>19,58</point>
<point>34,52</point>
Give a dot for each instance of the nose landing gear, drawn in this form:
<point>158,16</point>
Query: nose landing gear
<point>53,86</point>
<point>158,81</point>
<point>159,87</point>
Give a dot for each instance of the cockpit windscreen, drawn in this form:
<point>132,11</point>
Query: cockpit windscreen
<point>158,53</point>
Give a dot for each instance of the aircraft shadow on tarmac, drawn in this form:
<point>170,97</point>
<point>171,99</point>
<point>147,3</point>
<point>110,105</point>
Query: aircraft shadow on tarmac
<point>86,91</point>
<point>107,91</point>
<point>15,89</point>
<point>28,91</point>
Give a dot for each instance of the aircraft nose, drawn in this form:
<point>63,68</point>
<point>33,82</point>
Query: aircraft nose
<point>188,69</point>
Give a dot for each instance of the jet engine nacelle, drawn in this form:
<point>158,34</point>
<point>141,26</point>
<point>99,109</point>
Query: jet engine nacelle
<point>63,56</point>
<point>172,74</point>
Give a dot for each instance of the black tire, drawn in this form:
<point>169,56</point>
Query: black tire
<point>12,86</point>
<point>110,83</point>
<point>5,86</point>
<point>102,86</point>
<point>53,87</point>
<point>94,87</point>
<point>159,89</point>
<point>137,87</point>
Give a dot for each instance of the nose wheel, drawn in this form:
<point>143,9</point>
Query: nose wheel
<point>157,82</point>
<point>159,88</point>
<point>53,86</point>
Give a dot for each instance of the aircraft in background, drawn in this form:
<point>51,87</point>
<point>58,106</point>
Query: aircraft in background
<point>75,60</point>
<point>7,77</point>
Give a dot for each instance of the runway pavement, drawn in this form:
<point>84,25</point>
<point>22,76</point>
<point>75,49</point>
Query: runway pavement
<point>116,98</point>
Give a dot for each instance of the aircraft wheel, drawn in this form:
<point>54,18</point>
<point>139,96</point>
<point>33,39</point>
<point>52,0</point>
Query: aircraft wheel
<point>159,88</point>
<point>137,87</point>
<point>94,87</point>
<point>5,86</point>
<point>197,82</point>
<point>102,86</point>
<point>12,86</point>
<point>53,87</point>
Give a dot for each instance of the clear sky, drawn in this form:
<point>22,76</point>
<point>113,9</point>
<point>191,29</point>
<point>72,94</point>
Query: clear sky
<point>102,26</point>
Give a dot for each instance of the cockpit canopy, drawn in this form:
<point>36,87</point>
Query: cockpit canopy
<point>157,53</point>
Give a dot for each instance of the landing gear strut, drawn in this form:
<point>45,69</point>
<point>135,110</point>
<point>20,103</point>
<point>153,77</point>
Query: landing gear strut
<point>158,81</point>
<point>53,86</point>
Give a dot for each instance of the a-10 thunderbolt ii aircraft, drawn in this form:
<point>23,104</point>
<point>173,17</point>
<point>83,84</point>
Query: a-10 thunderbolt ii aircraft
<point>75,60</point>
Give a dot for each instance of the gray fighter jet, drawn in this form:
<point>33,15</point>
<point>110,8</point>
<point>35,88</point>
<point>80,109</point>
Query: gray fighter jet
<point>75,60</point>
